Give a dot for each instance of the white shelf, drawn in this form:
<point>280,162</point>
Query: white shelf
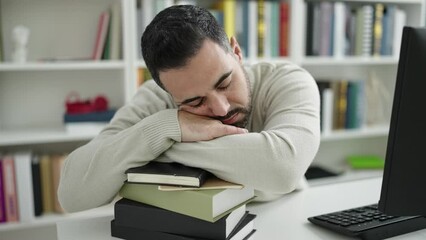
<point>46,135</point>
<point>345,134</point>
<point>348,175</point>
<point>53,218</point>
<point>349,61</point>
<point>62,65</point>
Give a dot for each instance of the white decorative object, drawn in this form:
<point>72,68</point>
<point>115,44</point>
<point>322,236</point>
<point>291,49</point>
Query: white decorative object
<point>20,39</point>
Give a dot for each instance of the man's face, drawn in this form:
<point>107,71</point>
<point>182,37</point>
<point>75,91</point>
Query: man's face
<point>213,84</point>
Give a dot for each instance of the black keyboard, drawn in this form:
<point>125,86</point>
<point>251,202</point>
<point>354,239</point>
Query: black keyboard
<point>367,222</point>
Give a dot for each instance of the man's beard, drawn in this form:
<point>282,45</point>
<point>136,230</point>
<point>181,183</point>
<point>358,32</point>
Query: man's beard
<point>246,111</point>
<point>243,122</point>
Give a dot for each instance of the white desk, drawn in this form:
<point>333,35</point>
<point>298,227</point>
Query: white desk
<point>285,218</point>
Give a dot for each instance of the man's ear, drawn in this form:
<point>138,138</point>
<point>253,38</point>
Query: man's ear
<point>235,47</point>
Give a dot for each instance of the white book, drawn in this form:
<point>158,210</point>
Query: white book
<point>339,29</point>
<point>252,40</point>
<point>399,23</point>
<point>367,35</point>
<point>24,185</point>
<point>327,110</point>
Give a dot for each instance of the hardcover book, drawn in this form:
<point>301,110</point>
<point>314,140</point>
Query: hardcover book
<point>146,217</point>
<point>211,182</point>
<point>24,185</point>
<point>103,116</point>
<point>2,199</point>
<point>209,205</point>
<point>244,232</point>
<point>9,189</point>
<point>168,174</point>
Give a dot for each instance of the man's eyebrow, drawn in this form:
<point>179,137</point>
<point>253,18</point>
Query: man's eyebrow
<point>222,78</point>
<point>186,101</point>
<point>217,84</point>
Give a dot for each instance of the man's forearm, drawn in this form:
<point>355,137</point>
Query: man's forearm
<point>269,161</point>
<point>93,174</point>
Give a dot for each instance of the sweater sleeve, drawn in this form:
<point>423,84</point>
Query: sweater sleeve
<point>283,141</point>
<point>139,132</point>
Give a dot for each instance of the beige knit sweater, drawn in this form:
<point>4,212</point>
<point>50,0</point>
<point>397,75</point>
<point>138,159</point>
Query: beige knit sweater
<point>284,137</point>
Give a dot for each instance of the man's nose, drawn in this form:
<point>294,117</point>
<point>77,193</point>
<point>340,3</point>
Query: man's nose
<point>218,104</point>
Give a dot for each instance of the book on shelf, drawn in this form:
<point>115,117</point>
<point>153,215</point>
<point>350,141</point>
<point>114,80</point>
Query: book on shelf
<point>101,35</point>
<point>347,29</point>
<point>24,185</point>
<point>150,218</point>
<point>9,188</point>
<point>168,174</point>
<point>46,184</point>
<point>2,199</point>
<point>209,205</point>
<point>252,41</point>
<point>343,104</point>
<point>379,9</point>
<point>36,181</point>
<point>229,10</point>
<point>243,232</point>
<point>57,161</point>
<point>284,28</point>
<point>95,116</point>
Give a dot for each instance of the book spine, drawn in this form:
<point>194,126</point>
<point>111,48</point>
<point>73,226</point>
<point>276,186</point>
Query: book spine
<point>57,161</point>
<point>2,198</point>
<point>399,23</point>
<point>284,29</point>
<point>260,27</point>
<point>229,9</point>
<point>378,29</point>
<point>10,195</point>
<point>327,110</point>
<point>339,29</point>
<point>46,184</point>
<point>35,168</point>
<point>101,35</point>
<point>24,186</point>
<point>253,31</point>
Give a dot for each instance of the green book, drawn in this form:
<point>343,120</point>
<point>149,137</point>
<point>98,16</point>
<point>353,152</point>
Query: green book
<point>366,162</point>
<point>209,205</point>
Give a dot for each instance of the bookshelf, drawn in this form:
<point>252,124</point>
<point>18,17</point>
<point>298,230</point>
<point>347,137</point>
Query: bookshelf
<point>32,94</point>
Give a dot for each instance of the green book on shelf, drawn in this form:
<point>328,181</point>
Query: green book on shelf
<point>209,205</point>
<point>366,162</point>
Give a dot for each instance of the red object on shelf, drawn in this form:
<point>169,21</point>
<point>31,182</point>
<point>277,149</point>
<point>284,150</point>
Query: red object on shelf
<point>74,105</point>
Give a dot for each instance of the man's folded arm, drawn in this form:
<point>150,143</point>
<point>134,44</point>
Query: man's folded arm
<point>93,173</point>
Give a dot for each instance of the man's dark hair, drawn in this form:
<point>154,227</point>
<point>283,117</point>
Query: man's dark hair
<point>176,34</point>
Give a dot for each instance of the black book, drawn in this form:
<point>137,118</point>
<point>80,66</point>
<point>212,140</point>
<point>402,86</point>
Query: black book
<point>134,214</point>
<point>168,174</point>
<point>36,177</point>
<point>244,232</point>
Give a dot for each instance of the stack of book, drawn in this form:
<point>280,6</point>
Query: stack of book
<point>162,201</point>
